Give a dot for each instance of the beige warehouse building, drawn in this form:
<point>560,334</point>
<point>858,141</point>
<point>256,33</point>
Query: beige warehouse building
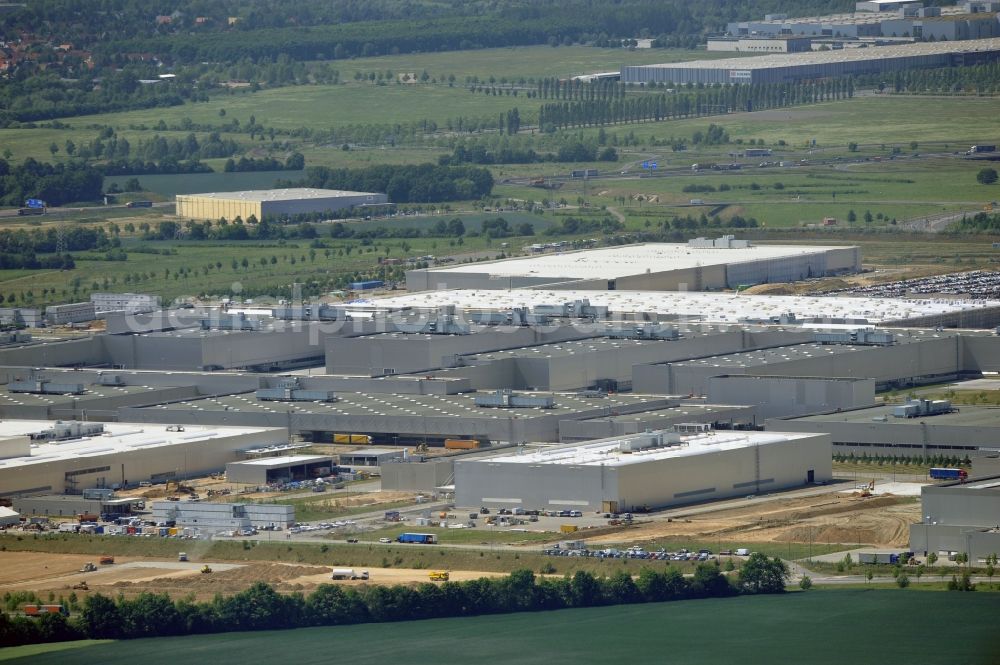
<point>272,203</point>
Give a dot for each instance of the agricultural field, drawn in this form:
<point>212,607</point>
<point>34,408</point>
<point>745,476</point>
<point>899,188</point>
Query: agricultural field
<point>750,630</point>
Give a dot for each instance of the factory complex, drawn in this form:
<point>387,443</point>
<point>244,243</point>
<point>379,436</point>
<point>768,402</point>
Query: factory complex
<point>626,379</point>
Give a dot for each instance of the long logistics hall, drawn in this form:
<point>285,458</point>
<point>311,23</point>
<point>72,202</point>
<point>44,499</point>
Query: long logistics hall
<point>791,67</point>
<point>700,264</point>
<point>271,203</point>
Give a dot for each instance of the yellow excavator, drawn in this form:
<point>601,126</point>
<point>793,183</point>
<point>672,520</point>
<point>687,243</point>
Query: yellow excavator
<point>206,569</point>
<point>868,490</point>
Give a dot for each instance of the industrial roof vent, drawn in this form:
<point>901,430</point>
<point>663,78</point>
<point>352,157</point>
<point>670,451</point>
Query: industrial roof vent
<point>62,431</point>
<point>506,399</point>
<point>692,428</point>
<point>289,390</point>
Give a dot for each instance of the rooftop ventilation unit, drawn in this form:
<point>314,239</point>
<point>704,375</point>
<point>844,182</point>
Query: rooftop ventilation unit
<point>238,321</point>
<point>859,337</point>
<point>506,399</point>
<point>692,428</point>
<point>44,387</point>
<point>288,390</point>
<point>916,408</point>
<point>650,331</point>
<point>61,431</point>
<point>108,380</point>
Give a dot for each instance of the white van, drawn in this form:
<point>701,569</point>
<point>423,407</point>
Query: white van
<point>742,551</point>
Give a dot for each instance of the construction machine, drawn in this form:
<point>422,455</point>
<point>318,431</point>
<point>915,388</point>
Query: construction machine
<point>868,490</point>
<point>206,569</point>
<point>88,567</point>
<point>81,586</point>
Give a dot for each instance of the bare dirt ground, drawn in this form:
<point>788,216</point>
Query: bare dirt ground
<point>883,521</point>
<point>882,275</point>
<point>130,576</point>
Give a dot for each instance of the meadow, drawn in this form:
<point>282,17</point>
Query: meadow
<point>827,627</point>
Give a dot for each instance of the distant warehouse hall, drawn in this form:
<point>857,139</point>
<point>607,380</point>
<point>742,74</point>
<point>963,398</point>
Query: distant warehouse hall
<point>272,203</point>
<point>689,464</point>
<point>700,264</point>
<point>789,67</point>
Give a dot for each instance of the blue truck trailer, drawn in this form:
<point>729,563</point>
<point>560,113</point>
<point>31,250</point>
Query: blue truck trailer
<point>421,538</point>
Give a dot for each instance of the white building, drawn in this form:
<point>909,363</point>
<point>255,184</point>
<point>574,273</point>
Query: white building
<point>76,312</point>
<point>132,303</point>
<point>123,454</point>
<point>694,266</point>
<point>650,470</point>
<point>223,516</point>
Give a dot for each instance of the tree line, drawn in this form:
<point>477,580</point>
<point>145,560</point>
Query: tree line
<point>981,222</point>
<point>420,183</point>
<point>686,102</point>
<point>262,608</point>
<point>55,184</point>
<point>979,79</point>
<point>485,151</point>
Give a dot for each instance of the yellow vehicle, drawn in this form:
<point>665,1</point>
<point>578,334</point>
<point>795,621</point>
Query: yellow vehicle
<point>363,439</point>
<point>439,575</point>
<point>206,569</point>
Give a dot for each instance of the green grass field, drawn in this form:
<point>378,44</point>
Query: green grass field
<point>519,61</point>
<point>817,627</point>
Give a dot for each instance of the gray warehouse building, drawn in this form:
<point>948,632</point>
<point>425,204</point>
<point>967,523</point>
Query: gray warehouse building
<point>271,203</point>
<point>916,357</point>
<point>972,431</point>
<point>649,470</point>
<point>959,517</point>
<point>278,469</point>
<point>790,67</point>
<point>791,395</point>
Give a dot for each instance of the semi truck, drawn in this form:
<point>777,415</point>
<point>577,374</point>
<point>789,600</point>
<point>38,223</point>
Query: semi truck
<point>979,149</point>
<point>139,204</point>
<point>941,473</point>
<point>461,444</point>
<point>37,610</point>
<point>349,574</point>
<point>421,538</point>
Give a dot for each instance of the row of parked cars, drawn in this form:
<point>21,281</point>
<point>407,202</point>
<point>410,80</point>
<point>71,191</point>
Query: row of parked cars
<point>533,513</point>
<point>640,553</point>
<point>322,526</point>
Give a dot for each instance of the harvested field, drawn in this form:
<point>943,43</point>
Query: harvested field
<point>881,521</point>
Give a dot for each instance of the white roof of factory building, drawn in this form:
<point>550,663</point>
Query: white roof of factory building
<point>839,55</point>
<point>608,452</point>
<point>286,460</point>
<point>615,262</point>
<point>697,306</point>
<point>117,438</point>
<point>290,194</point>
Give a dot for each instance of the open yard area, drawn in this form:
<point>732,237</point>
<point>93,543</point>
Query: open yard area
<point>750,630</point>
<point>805,523</point>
